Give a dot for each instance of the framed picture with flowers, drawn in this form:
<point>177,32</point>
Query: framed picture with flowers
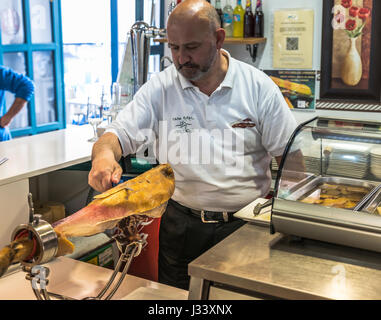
<point>351,55</point>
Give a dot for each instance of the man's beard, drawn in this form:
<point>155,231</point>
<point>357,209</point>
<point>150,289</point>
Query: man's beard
<point>197,71</point>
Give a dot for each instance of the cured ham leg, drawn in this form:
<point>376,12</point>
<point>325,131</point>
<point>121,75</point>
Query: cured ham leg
<point>145,195</point>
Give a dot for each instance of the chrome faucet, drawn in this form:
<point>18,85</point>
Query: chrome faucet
<point>162,60</point>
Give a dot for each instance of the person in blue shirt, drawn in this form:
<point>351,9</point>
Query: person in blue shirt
<point>23,89</point>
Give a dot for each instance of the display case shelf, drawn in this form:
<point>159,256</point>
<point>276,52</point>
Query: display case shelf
<point>328,186</point>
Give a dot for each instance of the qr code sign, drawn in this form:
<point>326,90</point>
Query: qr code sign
<point>292,43</point>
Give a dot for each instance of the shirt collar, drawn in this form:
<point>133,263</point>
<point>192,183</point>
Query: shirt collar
<point>185,83</point>
<point>227,82</point>
<point>229,77</point>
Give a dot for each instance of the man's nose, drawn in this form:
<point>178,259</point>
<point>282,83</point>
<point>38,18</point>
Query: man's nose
<point>183,56</point>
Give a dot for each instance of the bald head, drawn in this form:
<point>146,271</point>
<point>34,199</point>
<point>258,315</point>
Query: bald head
<point>197,11</point>
<point>195,39</point>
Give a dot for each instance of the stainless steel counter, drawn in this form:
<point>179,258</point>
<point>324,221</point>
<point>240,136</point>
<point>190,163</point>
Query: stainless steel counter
<point>252,263</point>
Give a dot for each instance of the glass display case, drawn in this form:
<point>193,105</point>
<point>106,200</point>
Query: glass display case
<point>328,185</point>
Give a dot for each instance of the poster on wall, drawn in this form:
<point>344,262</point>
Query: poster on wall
<point>350,49</point>
<point>297,87</point>
<point>293,39</point>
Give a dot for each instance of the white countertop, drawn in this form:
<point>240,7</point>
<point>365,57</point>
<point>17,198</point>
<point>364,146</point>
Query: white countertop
<point>34,155</point>
<point>86,280</point>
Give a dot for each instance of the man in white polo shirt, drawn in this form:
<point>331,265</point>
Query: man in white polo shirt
<point>217,121</point>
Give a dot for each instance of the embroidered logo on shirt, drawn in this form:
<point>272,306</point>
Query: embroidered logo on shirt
<point>245,123</point>
<point>183,123</point>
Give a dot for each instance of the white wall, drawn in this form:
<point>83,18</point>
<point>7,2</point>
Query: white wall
<point>264,60</point>
<point>264,57</point>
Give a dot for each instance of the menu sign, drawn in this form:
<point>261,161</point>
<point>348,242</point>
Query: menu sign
<point>297,87</point>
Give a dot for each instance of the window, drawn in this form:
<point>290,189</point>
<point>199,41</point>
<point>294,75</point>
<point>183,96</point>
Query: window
<point>87,61</point>
<point>94,45</point>
<point>87,52</point>
<point>31,44</point>
<point>143,12</point>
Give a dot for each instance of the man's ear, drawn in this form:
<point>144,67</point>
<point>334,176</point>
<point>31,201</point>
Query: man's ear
<point>220,35</point>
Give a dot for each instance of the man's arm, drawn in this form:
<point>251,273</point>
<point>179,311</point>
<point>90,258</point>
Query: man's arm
<point>15,108</point>
<point>105,168</point>
<point>21,86</point>
<point>295,161</point>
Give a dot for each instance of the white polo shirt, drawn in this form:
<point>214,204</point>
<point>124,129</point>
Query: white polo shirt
<point>219,146</point>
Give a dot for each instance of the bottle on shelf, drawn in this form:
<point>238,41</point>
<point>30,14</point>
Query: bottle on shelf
<point>219,11</point>
<point>248,29</point>
<point>258,20</point>
<point>228,19</point>
<point>171,6</point>
<point>238,20</point>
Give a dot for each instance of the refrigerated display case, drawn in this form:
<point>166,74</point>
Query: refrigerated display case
<point>328,185</point>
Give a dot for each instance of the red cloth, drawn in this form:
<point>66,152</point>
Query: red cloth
<point>145,265</point>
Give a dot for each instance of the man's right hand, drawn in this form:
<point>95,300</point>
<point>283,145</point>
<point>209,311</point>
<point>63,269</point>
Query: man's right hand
<point>105,168</point>
<point>104,172</point>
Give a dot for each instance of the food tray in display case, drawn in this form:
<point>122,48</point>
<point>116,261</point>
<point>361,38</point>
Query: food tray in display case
<point>338,198</point>
<point>335,192</point>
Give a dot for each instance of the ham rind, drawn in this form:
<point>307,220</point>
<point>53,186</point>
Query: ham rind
<point>147,194</point>
<point>97,218</point>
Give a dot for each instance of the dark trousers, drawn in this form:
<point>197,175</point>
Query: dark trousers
<point>182,238</point>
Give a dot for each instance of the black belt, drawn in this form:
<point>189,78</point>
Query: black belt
<point>214,216</point>
<point>209,216</point>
